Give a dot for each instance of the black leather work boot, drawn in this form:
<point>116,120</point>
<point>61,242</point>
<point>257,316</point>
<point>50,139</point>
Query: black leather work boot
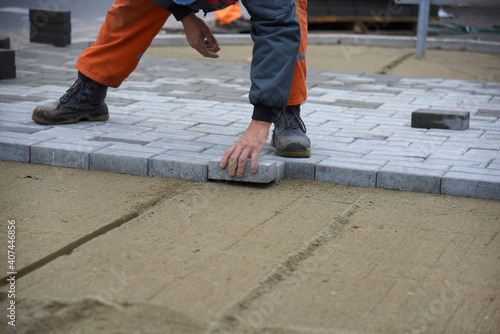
<point>289,134</point>
<point>84,101</point>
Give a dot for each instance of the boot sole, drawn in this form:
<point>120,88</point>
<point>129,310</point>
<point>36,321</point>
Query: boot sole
<point>293,154</point>
<point>70,120</point>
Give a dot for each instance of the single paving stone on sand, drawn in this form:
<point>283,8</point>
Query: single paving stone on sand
<point>440,119</point>
<point>268,171</point>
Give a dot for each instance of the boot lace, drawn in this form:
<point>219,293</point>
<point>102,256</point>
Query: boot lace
<point>291,119</point>
<point>72,91</point>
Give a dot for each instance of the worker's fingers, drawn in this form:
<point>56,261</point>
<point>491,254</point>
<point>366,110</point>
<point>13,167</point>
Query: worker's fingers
<point>225,157</point>
<point>213,48</point>
<point>255,161</point>
<point>210,41</point>
<point>206,52</point>
<point>242,162</point>
<point>234,162</point>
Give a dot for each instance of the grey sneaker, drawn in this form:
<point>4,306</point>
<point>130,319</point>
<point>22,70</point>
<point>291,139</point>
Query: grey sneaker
<point>84,101</point>
<point>289,135</point>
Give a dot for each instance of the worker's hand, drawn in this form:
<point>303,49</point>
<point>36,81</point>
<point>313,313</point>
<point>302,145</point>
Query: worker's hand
<point>247,146</point>
<point>199,36</point>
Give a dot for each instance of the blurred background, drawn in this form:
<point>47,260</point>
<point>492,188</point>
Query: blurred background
<point>469,19</point>
<point>86,17</point>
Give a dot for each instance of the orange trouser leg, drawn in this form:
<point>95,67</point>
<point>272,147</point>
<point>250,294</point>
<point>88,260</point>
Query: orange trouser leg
<point>298,93</point>
<point>228,14</point>
<point>127,32</point>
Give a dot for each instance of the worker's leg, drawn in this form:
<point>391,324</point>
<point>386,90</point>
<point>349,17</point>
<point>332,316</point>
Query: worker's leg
<point>126,33</point>
<point>289,135</point>
<point>298,93</point>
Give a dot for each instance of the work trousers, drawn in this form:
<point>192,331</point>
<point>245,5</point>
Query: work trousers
<point>130,27</point>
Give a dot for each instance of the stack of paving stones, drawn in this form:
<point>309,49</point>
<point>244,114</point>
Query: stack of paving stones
<point>7,59</point>
<point>175,118</point>
<point>50,27</point>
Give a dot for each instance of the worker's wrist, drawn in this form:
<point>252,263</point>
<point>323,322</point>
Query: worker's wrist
<point>180,12</point>
<point>265,113</point>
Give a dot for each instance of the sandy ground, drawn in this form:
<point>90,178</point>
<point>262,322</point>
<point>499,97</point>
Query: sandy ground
<point>109,253</point>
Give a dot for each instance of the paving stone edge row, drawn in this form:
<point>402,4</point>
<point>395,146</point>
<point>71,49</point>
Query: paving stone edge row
<point>188,169</point>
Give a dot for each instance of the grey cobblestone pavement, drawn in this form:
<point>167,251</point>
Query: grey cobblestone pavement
<point>175,118</point>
